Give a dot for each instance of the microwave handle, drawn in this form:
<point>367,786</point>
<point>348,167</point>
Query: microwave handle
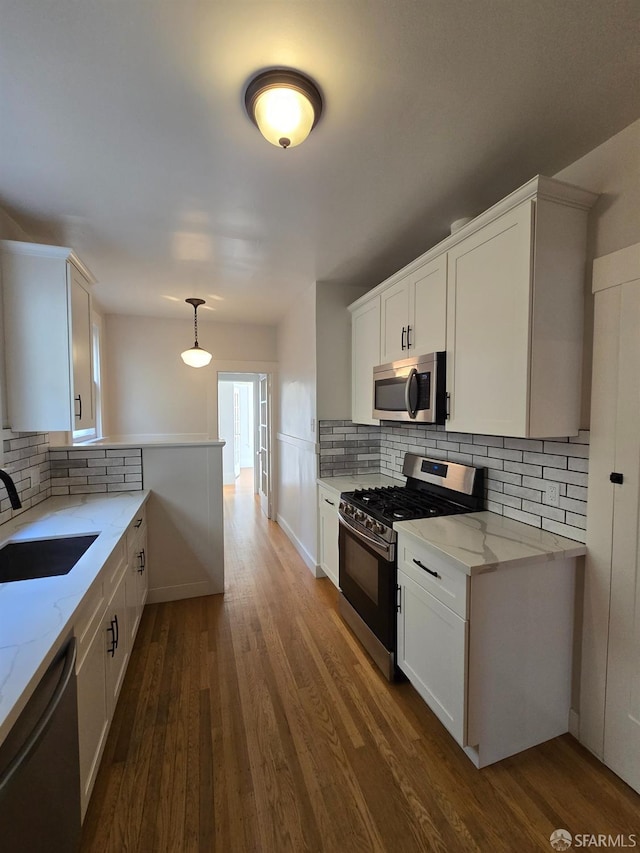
<point>407,393</point>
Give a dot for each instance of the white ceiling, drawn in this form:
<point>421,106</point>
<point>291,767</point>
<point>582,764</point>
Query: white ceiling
<point>122,129</point>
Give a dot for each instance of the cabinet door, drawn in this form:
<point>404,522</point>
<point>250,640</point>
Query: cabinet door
<point>432,653</point>
<point>488,327</point>
<point>83,408</point>
<point>116,642</point>
<point>365,355</point>
<point>394,320</point>
<point>428,307</point>
<point>93,714</point>
<point>328,530</point>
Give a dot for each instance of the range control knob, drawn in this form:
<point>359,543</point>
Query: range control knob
<point>378,528</point>
<point>369,522</point>
<point>359,516</point>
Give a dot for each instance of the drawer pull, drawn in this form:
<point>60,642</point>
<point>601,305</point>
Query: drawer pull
<point>138,523</point>
<point>327,501</point>
<point>422,566</point>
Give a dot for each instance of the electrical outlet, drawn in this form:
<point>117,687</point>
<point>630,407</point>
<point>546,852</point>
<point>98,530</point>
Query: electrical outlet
<point>552,494</point>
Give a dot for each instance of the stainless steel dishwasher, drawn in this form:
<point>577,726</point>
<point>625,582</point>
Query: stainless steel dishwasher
<point>39,767</point>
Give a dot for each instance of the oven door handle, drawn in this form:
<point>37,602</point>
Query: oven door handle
<point>383,550</point>
<point>407,394</point>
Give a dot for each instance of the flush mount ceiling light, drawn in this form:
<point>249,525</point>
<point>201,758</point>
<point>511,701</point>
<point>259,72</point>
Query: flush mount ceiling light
<point>196,356</point>
<point>285,106</point>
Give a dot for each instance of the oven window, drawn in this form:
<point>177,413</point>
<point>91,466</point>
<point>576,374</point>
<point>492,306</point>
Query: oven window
<point>362,567</point>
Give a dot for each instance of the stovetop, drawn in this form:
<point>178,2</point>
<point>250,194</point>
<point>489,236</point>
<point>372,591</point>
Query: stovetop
<point>401,503</point>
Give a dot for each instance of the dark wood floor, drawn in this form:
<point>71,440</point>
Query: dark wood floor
<point>254,722</point>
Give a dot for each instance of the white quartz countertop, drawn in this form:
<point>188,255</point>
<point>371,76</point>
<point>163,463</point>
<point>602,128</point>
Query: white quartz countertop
<point>36,616</point>
<point>480,541</point>
<point>127,441</point>
<point>358,481</point>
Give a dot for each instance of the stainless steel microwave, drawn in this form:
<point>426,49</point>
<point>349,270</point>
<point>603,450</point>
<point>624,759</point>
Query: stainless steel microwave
<point>412,389</point>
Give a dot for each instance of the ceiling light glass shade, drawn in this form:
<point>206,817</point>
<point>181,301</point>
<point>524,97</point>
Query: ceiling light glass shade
<point>196,356</point>
<point>284,114</point>
<point>285,105</point>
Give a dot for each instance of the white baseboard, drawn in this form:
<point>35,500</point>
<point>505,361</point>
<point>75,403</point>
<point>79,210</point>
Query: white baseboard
<point>309,561</point>
<point>179,591</point>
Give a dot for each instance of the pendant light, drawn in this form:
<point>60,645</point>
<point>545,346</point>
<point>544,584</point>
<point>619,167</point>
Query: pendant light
<point>285,105</point>
<point>196,356</point>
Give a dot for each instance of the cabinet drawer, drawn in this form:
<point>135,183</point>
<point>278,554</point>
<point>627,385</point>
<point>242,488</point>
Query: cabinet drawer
<point>137,528</point>
<point>447,584</point>
<point>328,498</point>
<point>113,569</point>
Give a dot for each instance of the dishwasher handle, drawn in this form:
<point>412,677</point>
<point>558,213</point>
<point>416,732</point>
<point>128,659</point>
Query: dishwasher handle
<point>36,734</point>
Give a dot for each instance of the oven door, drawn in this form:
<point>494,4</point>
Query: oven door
<point>410,390</point>
<point>368,582</point>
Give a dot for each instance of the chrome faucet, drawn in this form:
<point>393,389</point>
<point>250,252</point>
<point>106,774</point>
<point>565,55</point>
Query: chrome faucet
<point>11,489</point>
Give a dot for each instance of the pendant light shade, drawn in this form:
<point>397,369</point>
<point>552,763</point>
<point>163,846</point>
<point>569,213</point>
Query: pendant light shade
<point>285,105</point>
<point>195,356</point>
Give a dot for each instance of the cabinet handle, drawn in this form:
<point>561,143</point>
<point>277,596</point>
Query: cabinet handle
<point>138,523</point>
<point>398,598</point>
<point>79,400</point>
<point>431,572</point>
<point>141,557</point>
<point>447,413</point>
<point>404,332</point>
<point>616,477</point>
<point>408,337</point>
<point>113,627</point>
<point>327,501</point>
<point>117,630</point>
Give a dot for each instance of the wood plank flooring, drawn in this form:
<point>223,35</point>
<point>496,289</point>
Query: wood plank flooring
<point>255,722</point>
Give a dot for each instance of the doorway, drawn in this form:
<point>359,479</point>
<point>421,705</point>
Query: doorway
<point>244,412</point>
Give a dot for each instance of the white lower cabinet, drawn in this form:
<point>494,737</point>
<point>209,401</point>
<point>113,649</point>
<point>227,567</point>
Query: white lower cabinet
<point>328,533</point>
<point>116,640</point>
<point>93,713</point>
<point>490,653</point>
<point>432,653</point>
<point>105,630</point>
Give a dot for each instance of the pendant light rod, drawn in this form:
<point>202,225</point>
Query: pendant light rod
<point>196,303</point>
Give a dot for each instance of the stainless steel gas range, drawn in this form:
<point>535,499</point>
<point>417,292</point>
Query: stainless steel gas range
<point>368,543</point>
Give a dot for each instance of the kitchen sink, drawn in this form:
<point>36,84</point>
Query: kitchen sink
<point>42,558</point>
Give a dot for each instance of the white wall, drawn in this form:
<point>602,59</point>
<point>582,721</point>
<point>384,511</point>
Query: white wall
<point>225,431</point>
<point>333,349</point>
<point>296,472</point>
<point>613,170</point>
<point>149,389</point>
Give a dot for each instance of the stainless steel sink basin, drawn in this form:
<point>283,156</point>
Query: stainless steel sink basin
<point>42,558</point>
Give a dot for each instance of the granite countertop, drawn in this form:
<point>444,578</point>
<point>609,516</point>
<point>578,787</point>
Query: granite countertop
<point>37,615</point>
<point>350,482</point>
<point>481,541</point>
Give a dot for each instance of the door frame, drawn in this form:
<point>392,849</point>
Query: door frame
<point>271,369</point>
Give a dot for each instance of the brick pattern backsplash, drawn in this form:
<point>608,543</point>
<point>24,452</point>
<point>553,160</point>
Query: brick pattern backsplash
<point>26,460</point>
<point>518,471</point>
<point>348,448</point>
<point>81,472</point>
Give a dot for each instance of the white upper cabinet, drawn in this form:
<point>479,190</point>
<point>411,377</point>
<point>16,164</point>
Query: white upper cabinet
<point>47,325</point>
<point>515,297</point>
<point>365,342</point>
<point>414,312</point>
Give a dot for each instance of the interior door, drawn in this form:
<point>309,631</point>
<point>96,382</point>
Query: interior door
<point>622,705</point>
<point>264,443</point>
